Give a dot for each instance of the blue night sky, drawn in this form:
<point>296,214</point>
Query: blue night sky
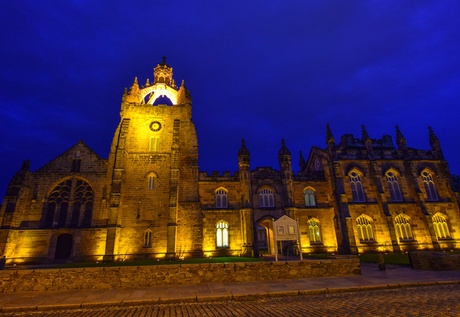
<point>259,70</point>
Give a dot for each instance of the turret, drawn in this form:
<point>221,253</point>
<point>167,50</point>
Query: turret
<point>284,157</point>
<point>244,173</point>
<point>183,95</point>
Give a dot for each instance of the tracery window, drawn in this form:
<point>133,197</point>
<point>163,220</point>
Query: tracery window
<point>430,187</point>
<point>356,187</point>
<point>313,231</point>
<point>151,182</point>
<point>403,228</point>
<point>222,234</point>
<point>221,198</point>
<point>74,195</point>
<point>309,196</point>
<point>393,186</point>
<point>440,226</point>
<point>365,231</point>
<point>147,239</point>
<point>266,198</point>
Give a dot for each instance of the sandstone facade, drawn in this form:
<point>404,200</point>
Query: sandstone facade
<point>149,200</point>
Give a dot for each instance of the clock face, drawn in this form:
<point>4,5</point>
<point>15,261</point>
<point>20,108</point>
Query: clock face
<point>155,126</point>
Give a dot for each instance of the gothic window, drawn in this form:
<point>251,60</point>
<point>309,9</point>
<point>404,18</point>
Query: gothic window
<point>393,186</point>
<point>266,198</point>
<point>222,234</point>
<point>365,232</point>
<point>147,239</point>
<point>356,187</point>
<point>403,229</point>
<point>221,198</point>
<point>430,188</point>
<point>151,182</point>
<point>309,196</point>
<point>313,231</point>
<point>440,226</point>
<point>154,145</point>
<point>66,204</point>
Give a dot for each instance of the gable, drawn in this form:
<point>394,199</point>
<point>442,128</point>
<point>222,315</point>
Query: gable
<point>79,158</point>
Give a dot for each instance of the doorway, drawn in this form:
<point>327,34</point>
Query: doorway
<point>63,246</point>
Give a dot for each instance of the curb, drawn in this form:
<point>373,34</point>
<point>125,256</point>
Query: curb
<point>225,297</point>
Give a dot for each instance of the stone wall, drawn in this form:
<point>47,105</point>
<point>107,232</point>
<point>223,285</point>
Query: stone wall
<point>431,260</point>
<point>132,276</point>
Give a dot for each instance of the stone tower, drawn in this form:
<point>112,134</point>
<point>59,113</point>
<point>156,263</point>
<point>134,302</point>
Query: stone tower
<point>153,167</point>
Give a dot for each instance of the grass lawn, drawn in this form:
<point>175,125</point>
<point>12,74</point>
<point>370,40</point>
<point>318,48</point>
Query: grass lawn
<point>160,262</point>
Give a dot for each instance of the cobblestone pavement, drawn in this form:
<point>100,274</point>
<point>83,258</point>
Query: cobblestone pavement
<point>439,300</point>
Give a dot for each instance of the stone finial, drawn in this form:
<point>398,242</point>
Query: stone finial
<point>400,139</point>
<point>434,141</point>
<point>284,150</point>
<point>243,151</point>
<point>365,136</point>
<point>302,161</point>
<point>329,137</point>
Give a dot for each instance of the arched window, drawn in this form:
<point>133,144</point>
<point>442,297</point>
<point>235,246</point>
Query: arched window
<point>221,198</point>
<point>60,203</point>
<point>147,239</point>
<point>151,182</point>
<point>365,232</point>
<point>393,186</point>
<point>356,184</point>
<point>440,226</point>
<point>266,198</point>
<point>313,231</point>
<point>154,145</point>
<point>430,188</point>
<point>402,226</point>
<point>222,234</point>
<point>309,196</point>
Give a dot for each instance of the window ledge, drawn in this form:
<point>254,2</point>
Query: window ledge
<point>367,241</point>
<point>407,240</point>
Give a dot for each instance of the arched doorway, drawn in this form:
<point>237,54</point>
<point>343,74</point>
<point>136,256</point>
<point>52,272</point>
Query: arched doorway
<point>265,236</point>
<point>63,246</point>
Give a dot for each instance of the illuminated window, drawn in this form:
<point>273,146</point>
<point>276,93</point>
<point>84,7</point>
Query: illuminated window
<point>266,198</point>
<point>221,198</point>
<point>356,187</point>
<point>60,201</point>
<point>222,234</point>
<point>440,226</point>
<point>430,188</point>
<point>154,145</point>
<point>151,182</point>
<point>309,196</point>
<point>148,239</point>
<point>313,230</point>
<point>393,187</point>
<point>365,231</point>
<point>402,226</point>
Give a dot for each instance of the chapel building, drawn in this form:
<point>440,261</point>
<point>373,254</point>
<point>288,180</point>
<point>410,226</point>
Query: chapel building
<point>149,200</point>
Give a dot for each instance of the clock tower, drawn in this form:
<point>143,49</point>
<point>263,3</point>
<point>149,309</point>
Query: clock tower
<point>153,168</point>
